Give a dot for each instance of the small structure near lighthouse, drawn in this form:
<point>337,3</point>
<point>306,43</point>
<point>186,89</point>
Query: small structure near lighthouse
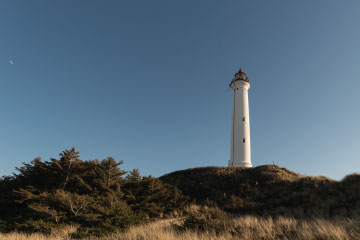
<point>240,155</point>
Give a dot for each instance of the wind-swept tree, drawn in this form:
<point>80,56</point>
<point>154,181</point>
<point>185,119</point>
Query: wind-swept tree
<point>134,175</point>
<point>108,174</point>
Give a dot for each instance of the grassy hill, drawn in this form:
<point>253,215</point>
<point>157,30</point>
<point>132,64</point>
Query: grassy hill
<point>269,190</point>
<point>100,198</point>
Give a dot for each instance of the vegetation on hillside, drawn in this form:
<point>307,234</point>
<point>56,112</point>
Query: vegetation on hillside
<point>269,190</point>
<point>97,198</point>
<point>212,224</point>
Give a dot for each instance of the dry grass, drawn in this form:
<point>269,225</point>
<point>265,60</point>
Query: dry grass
<point>163,230</point>
<point>241,228</point>
<point>58,234</point>
<point>253,228</point>
<point>289,228</point>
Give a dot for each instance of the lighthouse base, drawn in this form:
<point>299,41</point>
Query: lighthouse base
<point>237,163</point>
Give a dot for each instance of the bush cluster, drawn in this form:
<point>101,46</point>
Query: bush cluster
<point>96,195</point>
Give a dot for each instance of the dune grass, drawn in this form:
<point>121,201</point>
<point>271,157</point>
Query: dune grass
<point>57,234</point>
<point>252,228</point>
<point>238,228</point>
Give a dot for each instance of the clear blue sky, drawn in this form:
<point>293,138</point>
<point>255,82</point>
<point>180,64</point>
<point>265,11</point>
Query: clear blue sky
<point>147,82</point>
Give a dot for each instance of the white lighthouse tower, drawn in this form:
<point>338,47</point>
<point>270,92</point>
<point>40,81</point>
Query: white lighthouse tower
<point>240,155</point>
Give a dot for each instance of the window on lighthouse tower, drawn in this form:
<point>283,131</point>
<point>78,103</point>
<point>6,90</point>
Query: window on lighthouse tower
<point>243,140</point>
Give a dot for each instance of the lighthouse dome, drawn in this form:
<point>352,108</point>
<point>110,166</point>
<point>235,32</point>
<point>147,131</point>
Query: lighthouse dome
<point>240,76</point>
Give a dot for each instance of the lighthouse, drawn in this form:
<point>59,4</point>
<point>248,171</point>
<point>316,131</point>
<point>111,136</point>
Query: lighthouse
<point>240,155</point>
